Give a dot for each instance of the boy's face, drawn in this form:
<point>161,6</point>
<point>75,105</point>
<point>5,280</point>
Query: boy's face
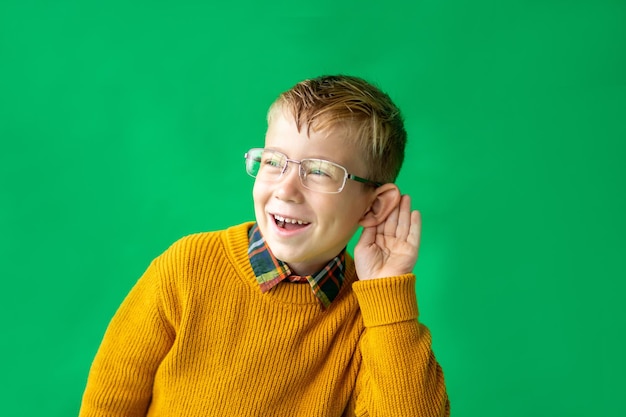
<point>328,220</point>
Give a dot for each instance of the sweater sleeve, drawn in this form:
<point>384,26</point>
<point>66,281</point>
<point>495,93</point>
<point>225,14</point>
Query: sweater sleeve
<point>138,337</point>
<point>399,374</point>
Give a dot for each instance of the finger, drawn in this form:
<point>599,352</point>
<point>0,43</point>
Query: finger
<point>368,236</point>
<point>404,218</point>
<point>415,232</point>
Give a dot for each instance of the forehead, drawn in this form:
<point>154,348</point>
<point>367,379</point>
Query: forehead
<point>334,138</point>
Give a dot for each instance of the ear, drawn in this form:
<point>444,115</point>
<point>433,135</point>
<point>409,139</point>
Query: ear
<point>385,199</point>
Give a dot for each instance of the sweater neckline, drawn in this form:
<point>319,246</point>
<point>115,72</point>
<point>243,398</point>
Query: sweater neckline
<point>236,244</point>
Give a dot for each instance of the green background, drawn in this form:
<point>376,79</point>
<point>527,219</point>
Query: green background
<point>123,125</point>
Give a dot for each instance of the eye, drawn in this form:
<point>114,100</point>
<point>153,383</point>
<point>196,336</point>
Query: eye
<point>320,170</point>
<point>273,161</point>
<point>317,171</point>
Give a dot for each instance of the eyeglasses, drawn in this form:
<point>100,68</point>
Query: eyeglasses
<point>315,174</point>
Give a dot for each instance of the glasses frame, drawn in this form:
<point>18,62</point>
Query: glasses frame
<point>347,175</point>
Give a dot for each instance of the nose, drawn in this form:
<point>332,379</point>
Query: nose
<point>289,186</point>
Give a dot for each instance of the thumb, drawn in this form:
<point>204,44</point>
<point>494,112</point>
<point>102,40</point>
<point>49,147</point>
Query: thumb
<point>368,236</point>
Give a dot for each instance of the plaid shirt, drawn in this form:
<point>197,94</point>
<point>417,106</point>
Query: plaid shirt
<point>270,271</point>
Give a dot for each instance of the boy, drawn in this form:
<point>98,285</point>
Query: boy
<point>274,318</point>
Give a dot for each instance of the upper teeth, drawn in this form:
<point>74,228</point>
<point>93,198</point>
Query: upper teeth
<point>286,220</point>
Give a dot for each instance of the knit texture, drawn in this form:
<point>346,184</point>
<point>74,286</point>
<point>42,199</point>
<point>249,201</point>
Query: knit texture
<point>196,337</point>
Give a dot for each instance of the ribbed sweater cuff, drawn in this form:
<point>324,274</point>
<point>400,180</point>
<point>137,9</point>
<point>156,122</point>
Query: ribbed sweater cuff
<point>387,300</point>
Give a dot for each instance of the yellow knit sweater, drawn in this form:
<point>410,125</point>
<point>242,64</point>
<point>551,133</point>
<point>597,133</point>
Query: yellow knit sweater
<point>196,337</point>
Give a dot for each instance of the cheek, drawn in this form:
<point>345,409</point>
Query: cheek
<point>257,192</point>
<point>355,208</point>
<point>342,213</point>
<point>259,203</point>
<point>257,199</point>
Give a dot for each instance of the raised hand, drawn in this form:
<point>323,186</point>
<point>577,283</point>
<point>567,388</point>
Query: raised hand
<point>390,248</point>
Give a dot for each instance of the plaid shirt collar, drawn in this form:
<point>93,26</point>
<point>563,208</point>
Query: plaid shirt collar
<point>270,271</point>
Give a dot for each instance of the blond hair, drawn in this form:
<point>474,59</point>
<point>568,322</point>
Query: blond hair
<point>340,101</point>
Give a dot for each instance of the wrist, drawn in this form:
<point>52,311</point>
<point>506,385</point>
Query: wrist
<point>386,301</point>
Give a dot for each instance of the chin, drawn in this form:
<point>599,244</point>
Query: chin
<point>285,254</point>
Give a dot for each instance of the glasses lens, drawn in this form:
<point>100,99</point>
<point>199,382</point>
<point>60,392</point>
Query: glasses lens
<point>321,175</point>
<point>265,164</point>
<point>253,161</point>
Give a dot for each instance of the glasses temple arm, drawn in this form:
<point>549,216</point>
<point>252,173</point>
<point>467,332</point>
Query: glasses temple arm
<point>364,180</point>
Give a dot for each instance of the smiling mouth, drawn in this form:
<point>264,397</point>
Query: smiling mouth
<point>288,223</point>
